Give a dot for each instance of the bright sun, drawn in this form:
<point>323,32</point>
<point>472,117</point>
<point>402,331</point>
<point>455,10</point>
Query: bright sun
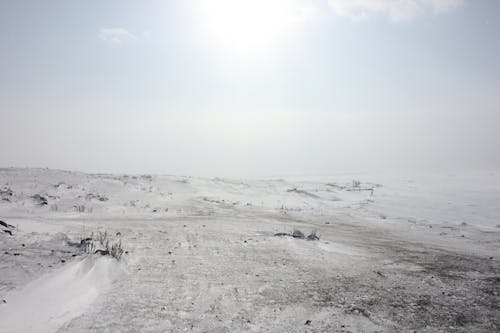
<point>247,26</point>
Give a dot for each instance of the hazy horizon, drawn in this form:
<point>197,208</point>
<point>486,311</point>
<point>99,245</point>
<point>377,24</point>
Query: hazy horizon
<point>250,88</point>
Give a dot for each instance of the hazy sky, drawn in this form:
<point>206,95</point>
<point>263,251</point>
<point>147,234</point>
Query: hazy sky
<point>250,88</point>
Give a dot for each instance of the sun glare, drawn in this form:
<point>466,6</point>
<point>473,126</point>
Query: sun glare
<point>247,26</point>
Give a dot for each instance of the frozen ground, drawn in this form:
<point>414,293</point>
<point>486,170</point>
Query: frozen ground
<point>395,254</point>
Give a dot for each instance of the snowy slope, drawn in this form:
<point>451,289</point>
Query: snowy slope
<point>47,303</point>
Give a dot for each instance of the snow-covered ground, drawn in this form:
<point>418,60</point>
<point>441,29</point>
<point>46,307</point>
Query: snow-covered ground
<point>396,253</point>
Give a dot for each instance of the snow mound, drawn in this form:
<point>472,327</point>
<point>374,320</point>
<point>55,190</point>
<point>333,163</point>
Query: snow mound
<point>45,304</point>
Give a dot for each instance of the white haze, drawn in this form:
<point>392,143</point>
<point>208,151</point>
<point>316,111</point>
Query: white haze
<point>250,144</point>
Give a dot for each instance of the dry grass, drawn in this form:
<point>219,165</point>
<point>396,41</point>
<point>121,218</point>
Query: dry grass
<point>296,233</point>
<point>313,235</point>
<point>100,243</point>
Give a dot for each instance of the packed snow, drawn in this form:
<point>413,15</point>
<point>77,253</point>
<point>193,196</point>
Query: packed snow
<point>392,253</point>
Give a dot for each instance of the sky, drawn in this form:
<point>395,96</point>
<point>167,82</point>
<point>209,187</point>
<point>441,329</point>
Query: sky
<point>242,88</point>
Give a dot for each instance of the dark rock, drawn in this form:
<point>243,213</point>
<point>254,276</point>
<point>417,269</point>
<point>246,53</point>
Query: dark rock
<point>461,320</point>
<point>308,322</point>
<point>8,232</point>
<point>298,234</point>
<point>85,241</point>
<point>6,225</point>
<point>40,200</point>
<point>424,300</point>
<point>359,310</point>
<point>91,196</point>
<point>6,192</point>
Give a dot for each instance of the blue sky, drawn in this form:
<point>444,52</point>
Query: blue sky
<point>250,88</point>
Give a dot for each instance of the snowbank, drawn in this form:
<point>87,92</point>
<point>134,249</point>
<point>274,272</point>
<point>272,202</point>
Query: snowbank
<point>46,304</point>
